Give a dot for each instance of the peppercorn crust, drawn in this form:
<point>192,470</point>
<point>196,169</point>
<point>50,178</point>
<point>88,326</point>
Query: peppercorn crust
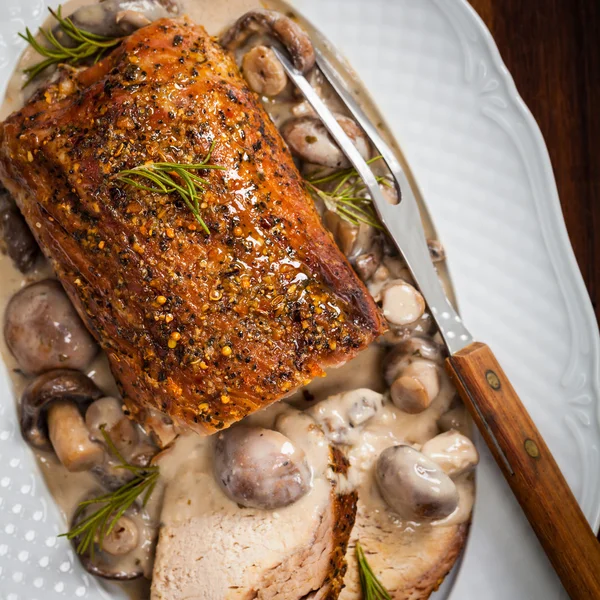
<point>206,328</point>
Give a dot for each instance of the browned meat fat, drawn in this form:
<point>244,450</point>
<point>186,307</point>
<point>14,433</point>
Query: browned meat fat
<point>204,327</point>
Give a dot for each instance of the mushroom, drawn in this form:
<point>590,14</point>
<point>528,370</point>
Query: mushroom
<point>342,415</point>
<point>122,539</point>
<point>159,427</point>
<point>401,303</point>
<point>260,468</point>
<point>454,452</point>
<point>107,414</point>
<point>125,552</point>
<point>417,385</point>
<point>308,138</point>
<point>51,417</point>
<point>422,326</point>
<point>367,264</point>
<point>282,28</point>
<point>117,18</point>
<point>17,240</point>
<point>409,349</point>
<point>414,486</point>
<point>353,240</point>
<point>43,331</point>
<point>263,71</point>
<point>455,418</point>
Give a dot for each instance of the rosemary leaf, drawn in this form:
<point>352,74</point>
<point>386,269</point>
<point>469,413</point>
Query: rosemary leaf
<point>94,527</point>
<point>171,178</point>
<point>345,193</point>
<point>87,45</point>
<point>372,588</point>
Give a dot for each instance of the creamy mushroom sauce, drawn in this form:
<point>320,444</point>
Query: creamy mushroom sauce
<point>390,426</point>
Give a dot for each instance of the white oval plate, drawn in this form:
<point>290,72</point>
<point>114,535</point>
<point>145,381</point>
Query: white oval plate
<point>481,162</point>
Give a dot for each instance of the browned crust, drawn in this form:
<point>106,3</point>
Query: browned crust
<point>345,514</point>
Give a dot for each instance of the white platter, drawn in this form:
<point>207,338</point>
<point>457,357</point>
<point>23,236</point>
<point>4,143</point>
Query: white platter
<point>482,165</point>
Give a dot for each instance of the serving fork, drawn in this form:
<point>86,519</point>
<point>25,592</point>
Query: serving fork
<point>505,425</point>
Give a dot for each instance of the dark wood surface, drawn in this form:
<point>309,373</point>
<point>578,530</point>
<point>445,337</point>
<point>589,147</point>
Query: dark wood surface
<point>552,49</point>
<point>529,468</point>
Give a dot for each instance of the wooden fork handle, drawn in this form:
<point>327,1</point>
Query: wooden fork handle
<point>529,468</point>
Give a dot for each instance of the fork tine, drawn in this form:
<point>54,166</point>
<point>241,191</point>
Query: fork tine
<point>403,221</point>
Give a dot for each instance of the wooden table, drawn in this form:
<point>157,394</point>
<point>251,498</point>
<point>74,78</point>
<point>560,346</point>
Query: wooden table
<point>551,48</point>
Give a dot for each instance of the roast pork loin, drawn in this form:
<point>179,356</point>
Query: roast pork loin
<point>206,327</point>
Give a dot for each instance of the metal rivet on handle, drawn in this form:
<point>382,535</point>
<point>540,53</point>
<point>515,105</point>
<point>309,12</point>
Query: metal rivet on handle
<point>492,379</point>
<point>532,449</point>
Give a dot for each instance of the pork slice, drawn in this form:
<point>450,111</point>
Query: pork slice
<point>205,327</point>
<point>210,548</point>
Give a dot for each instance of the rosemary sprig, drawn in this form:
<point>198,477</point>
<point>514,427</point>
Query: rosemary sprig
<point>87,45</point>
<point>93,528</point>
<point>372,588</point>
<point>346,194</point>
<point>173,177</point>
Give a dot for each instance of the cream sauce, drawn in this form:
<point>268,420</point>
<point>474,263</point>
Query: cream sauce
<point>190,453</point>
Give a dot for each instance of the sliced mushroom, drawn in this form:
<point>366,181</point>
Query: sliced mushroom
<point>263,71</point>
<point>60,385</point>
<point>282,28</point>
<point>16,237</point>
<point>116,18</point>
<point>125,552</point>
<point>401,303</point>
<point>416,386</point>
<point>43,331</point>
<point>341,415</point>
<point>260,468</point>
<point>414,486</point>
<point>308,139</point>
<point>454,452</point>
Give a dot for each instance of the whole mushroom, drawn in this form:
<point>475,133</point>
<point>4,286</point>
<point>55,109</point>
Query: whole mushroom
<point>117,18</point>
<point>401,303</point>
<point>51,417</point>
<point>105,417</point>
<point>414,486</point>
<point>260,468</point>
<point>410,349</point>
<point>282,28</point>
<point>43,331</point>
<point>16,237</point>
<point>308,139</point>
<point>125,552</point>
<point>263,72</point>
<point>454,452</point>
<point>412,370</point>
